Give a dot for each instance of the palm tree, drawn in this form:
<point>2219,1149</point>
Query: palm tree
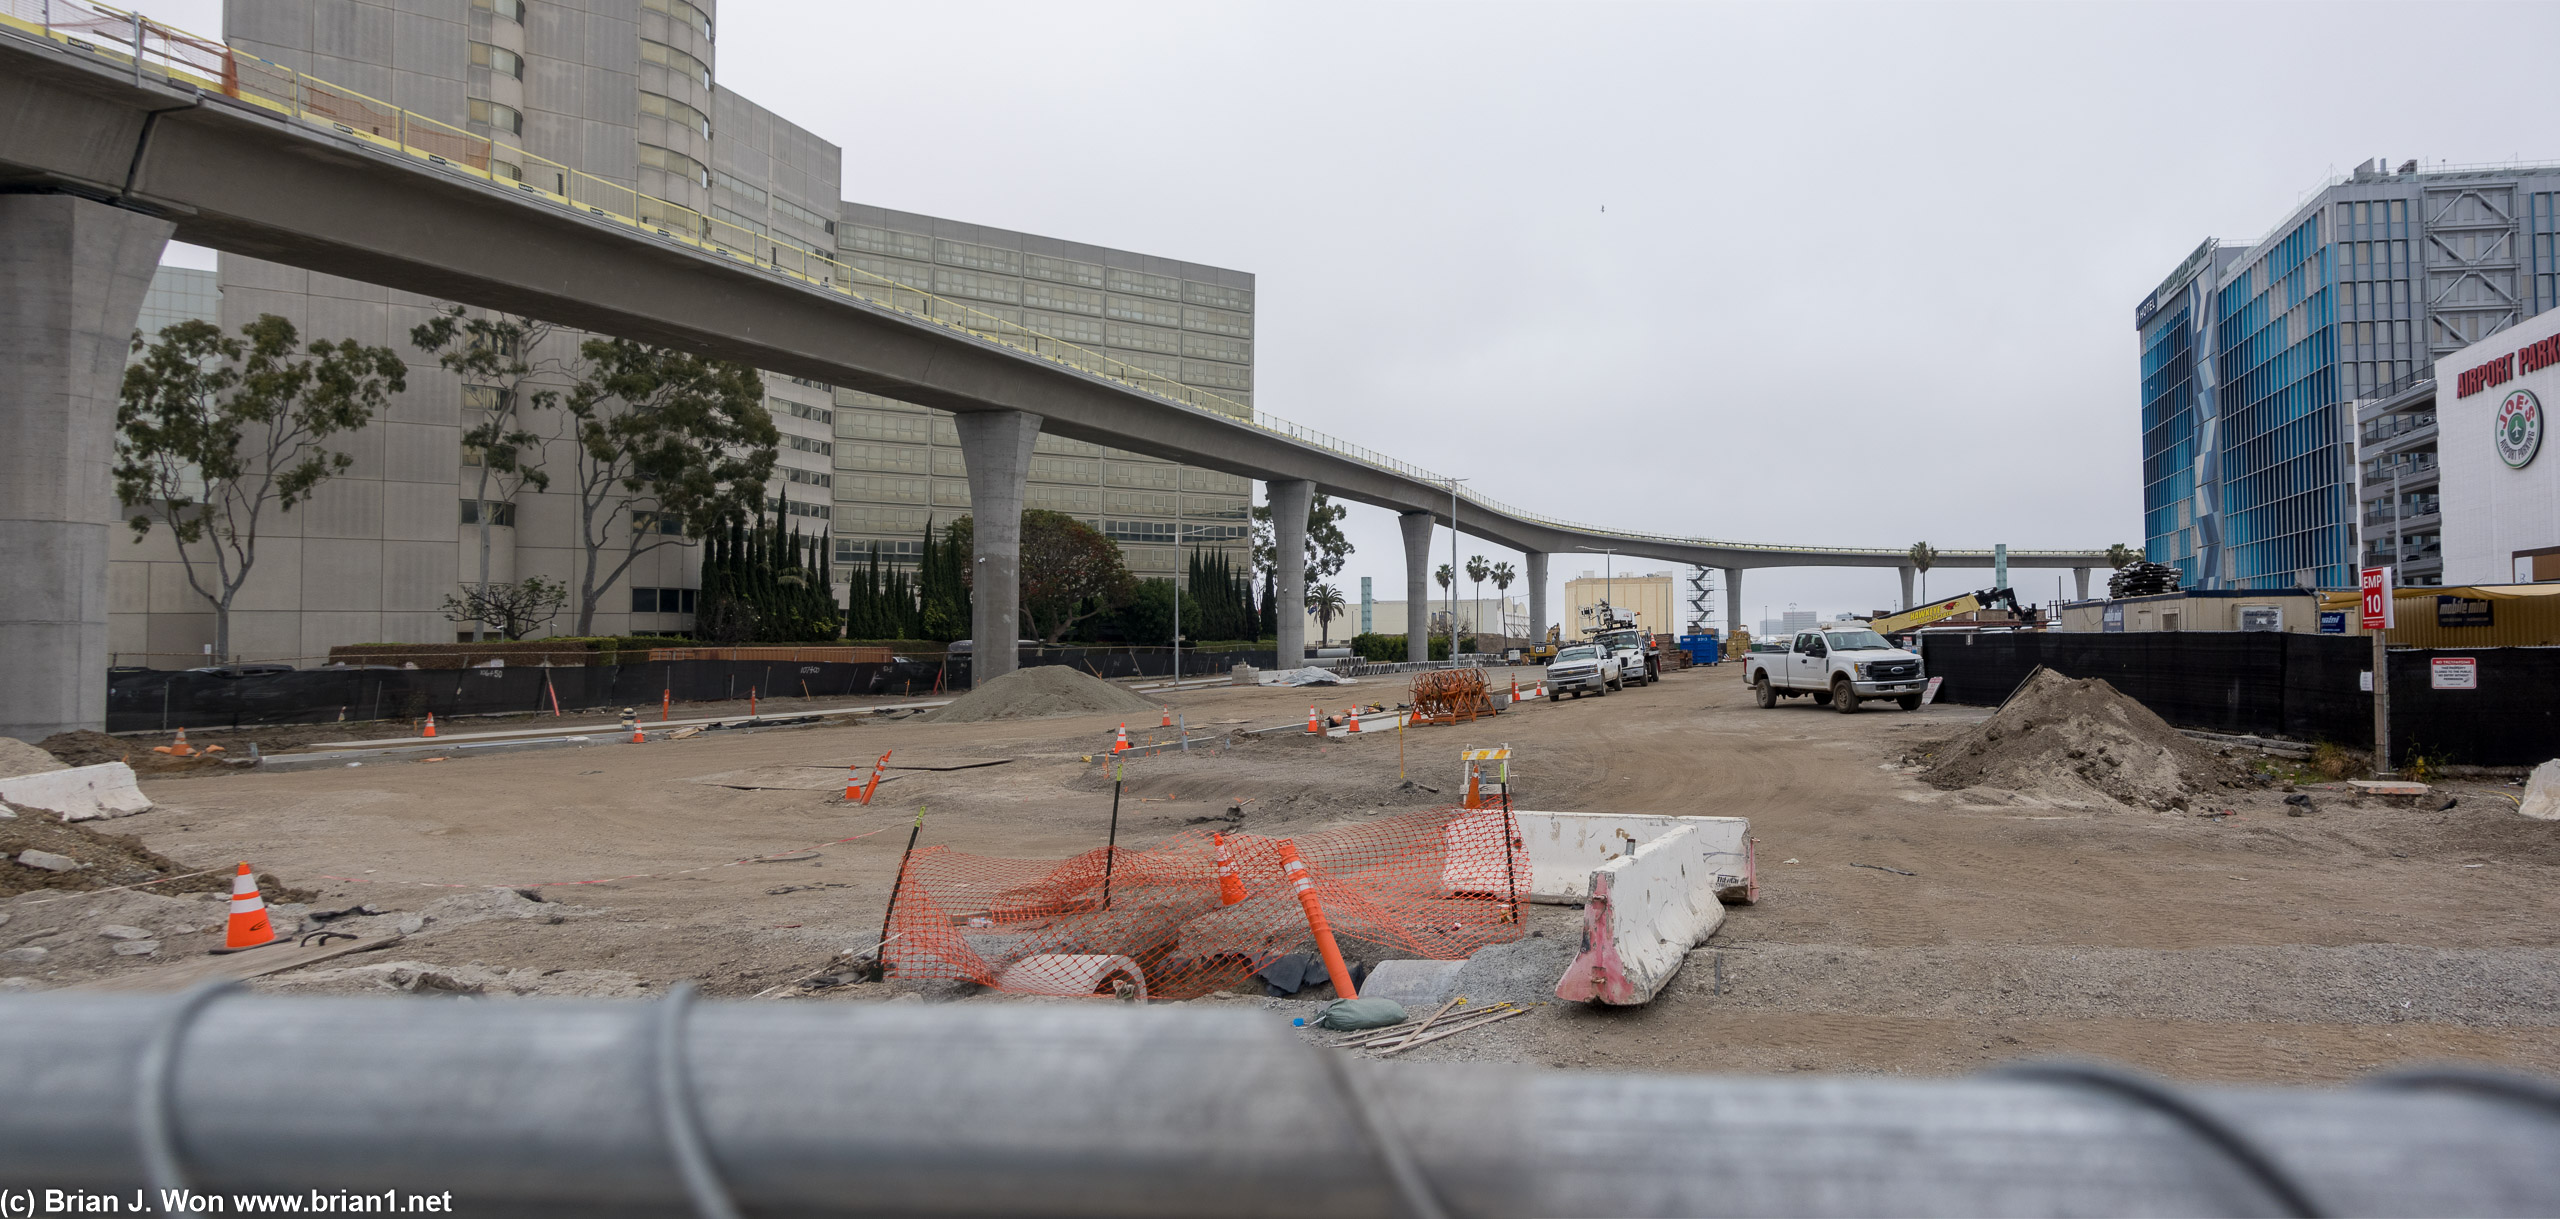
<point>1325,602</point>
<point>1446,577</point>
<point>1923,557</point>
<point>1502,578</point>
<point>1477,570</point>
<point>2121,556</point>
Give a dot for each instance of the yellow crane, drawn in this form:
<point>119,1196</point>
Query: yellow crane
<point>1966,603</point>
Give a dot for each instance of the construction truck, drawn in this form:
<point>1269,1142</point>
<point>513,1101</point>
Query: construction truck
<point>1966,603</point>
<point>1544,651</point>
<point>1637,656</point>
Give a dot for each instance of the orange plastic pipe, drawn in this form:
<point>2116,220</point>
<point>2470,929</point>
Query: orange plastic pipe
<point>1332,953</point>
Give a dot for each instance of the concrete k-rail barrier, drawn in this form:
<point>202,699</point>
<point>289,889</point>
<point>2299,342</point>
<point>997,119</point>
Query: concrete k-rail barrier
<point>82,793</point>
<point>1644,912</point>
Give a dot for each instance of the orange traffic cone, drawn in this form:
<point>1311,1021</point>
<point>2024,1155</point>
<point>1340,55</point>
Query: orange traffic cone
<point>177,749</point>
<point>1313,728</point>
<point>1355,719</point>
<point>1515,689</point>
<point>1230,885</point>
<point>1168,718</point>
<point>249,926</point>
<point>431,725</point>
<point>1121,741</point>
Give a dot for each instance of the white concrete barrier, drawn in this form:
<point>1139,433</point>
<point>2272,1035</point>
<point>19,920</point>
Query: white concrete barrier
<point>1564,848</point>
<point>82,793</point>
<point>1642,913</point>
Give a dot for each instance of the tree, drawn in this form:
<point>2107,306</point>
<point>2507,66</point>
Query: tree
<point>1923,557</point>
<point>489,354</point>
<point>2121,556</point>
<point>1503,575</point>
<point>667,446</point>
<point>1070,573</point>
<point>1447,576</point>
<point>212,430</point>
<point>1325,602</point>
<point>519,608</point>
<point>1477,570</point>
<point>1327,549</point>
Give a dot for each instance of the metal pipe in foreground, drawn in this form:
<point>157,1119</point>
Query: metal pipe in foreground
<point>561,1108</point>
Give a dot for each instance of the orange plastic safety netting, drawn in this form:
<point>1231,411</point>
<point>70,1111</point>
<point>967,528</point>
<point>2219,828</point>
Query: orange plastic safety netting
<point>1436,884</point>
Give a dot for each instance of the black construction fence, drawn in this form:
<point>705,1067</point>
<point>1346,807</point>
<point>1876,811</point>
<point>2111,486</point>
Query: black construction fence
<point>163,700</point>
<point>2268,683</point>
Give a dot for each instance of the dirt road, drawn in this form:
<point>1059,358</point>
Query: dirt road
<point>2255,947</point>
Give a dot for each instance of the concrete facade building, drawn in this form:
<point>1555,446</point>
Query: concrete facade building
<point>2255,360</point>
<point>625,90</point>
<point>2501,491</point>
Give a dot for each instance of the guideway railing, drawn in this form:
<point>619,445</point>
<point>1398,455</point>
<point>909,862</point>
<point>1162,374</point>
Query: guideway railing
<point>155,50</point>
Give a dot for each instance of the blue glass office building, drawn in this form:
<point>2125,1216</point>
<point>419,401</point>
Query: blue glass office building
<point>2255,357</point>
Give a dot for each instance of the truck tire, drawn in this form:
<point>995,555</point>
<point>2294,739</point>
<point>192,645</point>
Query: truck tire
<point>1844,697</point>
<point>1601,690</point>
<point>1552,696</point>
<point>1762,694</point>
<point>1909,702</point>
<point>1615,684</point>
<point>1821,698</point>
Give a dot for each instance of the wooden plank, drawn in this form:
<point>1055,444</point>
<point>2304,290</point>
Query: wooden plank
<point>237,966</point>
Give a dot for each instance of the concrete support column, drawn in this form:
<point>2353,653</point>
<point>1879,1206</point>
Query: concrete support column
<point>1907,574</point>
<point>1289,504</point>
<point>72,277</point>
<point>1733,600</point>
<point>1537,595</point>
<point>1417,584</point>
<point>995,447</point>
<point>2080,582</point>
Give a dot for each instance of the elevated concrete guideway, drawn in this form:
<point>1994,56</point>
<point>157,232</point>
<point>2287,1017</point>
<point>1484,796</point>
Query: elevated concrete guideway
<point>250,180</point>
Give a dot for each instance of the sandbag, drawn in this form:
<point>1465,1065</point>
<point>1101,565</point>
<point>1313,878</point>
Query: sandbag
<point>1347,1014</point>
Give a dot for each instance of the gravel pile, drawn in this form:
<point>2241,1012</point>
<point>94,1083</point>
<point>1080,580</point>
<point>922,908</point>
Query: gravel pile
<point>20,758</point>
<point>2083,740</point>
<point>1039,692</point>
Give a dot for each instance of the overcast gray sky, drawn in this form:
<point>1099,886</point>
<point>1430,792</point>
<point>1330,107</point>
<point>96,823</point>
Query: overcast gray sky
<point>1837,274</point>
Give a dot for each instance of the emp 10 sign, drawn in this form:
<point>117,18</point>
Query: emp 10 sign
<point>2377,599</point>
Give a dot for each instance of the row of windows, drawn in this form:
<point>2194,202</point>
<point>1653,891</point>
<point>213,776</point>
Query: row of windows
<point>500,512</point>
<point>810,477</point>
<point>679,10</point>
<point>512,10</point>
<point>666,524</point>
<point>740,219</point>
<point>662,600</point>
<point>872,239</point>
<point>499,60</point>
<point>806,445</point>
<point>679,62</point>
<point>795,212</point>
<point>796,508</point>
<point>800,410</point>
<point>2378,211</point>
<point>675,163</point>
<point>676,112</point>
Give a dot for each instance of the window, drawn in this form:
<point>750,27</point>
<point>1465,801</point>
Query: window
<point>501,513</point>
<point>487,397</point>
<point>1145,338</point>
<point>810,477</point>
<point>1061,298</point>
<point>662,600</point>
<point>975,285</point>
<point>738,220</point>
<point>1121,280</point>
<point>678,10</point>
<point>882,425</point>
<point>676,112</point>
<point>983,258</point>
<point>1213,294</point>
<point>799,410</point>
<point>501,118</point>
<point>806,445</point>
<point>1217,347</point>
<point>796,508</point>
<point>645,522</point>
<point>498,60</point>
<point>883,488</point>
<point>512,10</point>
<point>1060,326</point>
<point>675,163</point>
<point>884,241</point>
<point>1156,533</point>
<point>1217,322</point>
<point>1065,469</point>
<point>1139,309</point>
<point>653,51</point>
<point>803,215</point>
<point>1063,270</point>
<point>858,550</point>
<point>873,455</point>
<point>471,455</point>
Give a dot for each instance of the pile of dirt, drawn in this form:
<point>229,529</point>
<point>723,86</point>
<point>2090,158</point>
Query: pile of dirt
<point>2070,740</point>
<point>107,861</point>
<point>20,758</point>
<point>1038,692</point>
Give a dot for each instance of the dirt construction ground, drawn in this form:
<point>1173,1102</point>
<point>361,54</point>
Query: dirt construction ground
<point>1900,928</point>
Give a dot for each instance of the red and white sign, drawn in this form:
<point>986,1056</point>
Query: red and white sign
<point>2377,599</point>
<point>2454,673</point>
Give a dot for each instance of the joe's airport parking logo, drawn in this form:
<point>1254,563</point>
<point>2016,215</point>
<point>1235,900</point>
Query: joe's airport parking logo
<point>2519,434</point>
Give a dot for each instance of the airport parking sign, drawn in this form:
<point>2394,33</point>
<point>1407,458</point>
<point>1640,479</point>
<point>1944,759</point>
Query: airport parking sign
<point>2377,599</point>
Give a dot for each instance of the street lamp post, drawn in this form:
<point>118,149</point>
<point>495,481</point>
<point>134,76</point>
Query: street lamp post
<point>1453,571</point>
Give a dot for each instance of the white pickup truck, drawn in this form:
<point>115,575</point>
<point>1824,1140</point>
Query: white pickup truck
<point>1842,667</point>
